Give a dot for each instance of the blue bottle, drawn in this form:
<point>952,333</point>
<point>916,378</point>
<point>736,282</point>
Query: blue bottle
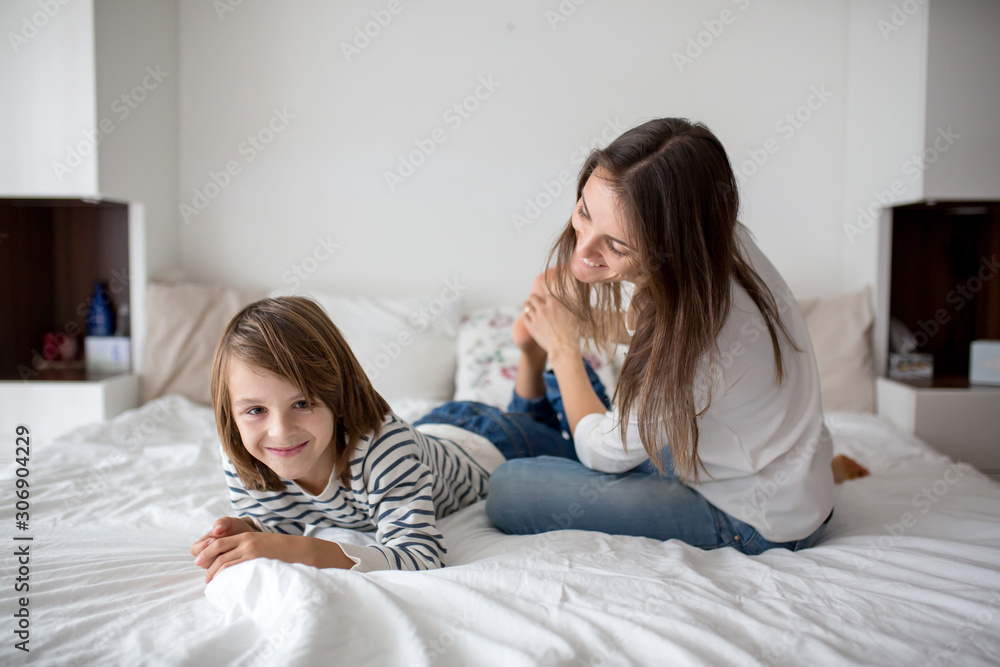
<point>100,320</point>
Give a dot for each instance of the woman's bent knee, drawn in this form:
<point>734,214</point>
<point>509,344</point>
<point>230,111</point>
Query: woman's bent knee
<point>521,492</point>
<point>502,506</point>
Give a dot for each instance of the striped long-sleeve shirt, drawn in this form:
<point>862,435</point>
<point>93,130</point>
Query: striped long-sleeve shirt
<point>402,480</point>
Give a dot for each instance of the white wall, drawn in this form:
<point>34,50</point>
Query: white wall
<point>136,96</point>
<point>886,63</point>
<point>962,134</point>
<point>322,175</point>
<point>47,72</point>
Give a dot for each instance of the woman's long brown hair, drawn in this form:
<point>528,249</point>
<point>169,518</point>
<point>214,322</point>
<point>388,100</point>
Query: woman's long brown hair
<point>293,339</point>
<point>676,191</point>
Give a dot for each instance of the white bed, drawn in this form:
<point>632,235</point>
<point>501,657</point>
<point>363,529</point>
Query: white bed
<point>115,507</point>
<point>112,581</point>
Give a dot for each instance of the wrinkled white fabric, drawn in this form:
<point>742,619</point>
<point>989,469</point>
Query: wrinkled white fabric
<point>116,506</point>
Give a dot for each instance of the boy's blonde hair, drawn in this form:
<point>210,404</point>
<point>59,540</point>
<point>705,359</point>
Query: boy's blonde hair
<point>293,339</point>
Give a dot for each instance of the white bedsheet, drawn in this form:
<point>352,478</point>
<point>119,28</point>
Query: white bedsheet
<point>116,506</point>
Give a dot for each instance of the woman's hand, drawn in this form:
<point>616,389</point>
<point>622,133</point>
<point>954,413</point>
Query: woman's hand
<point>551,325</point>
<point>226,551</point>
<point>224,527</point>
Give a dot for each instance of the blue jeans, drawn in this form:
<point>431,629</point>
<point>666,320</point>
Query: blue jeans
<point>543,486</point>
<point>530,496</point>
<point>529,428</point>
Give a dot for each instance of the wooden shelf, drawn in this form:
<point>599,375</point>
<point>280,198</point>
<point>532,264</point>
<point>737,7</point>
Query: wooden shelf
<point>945,382</point>
<point>62,375</point>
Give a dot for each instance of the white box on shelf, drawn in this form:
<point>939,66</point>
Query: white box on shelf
<point>984,362</point>
<point>108,354</point>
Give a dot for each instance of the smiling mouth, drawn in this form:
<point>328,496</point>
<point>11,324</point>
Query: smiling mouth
<point>592,265</point>
<point>287,451</point>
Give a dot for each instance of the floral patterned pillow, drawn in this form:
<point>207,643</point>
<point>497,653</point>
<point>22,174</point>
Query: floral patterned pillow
<point>488,358</point>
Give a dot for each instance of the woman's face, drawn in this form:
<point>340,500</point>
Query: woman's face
<point>604,253</point>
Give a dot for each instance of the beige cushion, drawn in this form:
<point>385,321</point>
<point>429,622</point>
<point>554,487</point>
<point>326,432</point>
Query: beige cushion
<point>841,332</point>
<point>184,324</point>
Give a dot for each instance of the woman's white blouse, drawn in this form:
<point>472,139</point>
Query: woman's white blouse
<point>765,450</point>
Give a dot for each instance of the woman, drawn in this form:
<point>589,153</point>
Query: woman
<point>716,437</point>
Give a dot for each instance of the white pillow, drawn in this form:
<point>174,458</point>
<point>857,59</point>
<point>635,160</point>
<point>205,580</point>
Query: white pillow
<point>406,345</point>
<point>488,358</point>
<point>841,331</point>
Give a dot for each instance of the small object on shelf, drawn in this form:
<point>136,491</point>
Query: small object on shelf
<point>100,320</point>
<point>912,366</point>
<point>122,328</point>
<point>46,366</point>
<point>59,346</point>
<point>108,354</point>
<point>984,362</point>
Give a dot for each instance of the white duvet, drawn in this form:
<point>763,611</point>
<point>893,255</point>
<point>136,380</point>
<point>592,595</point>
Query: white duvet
<point>908,573</point>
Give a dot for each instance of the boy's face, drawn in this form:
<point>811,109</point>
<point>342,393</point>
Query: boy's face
<point>280,428</point>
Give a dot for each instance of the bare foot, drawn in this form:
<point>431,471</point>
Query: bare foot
<point>846,468</point>
<point>520,333</point>
<point>524,341</point>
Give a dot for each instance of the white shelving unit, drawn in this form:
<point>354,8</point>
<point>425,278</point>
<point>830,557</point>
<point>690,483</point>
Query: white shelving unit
<point>50,408</point>
<point>962,422</point>
<point>52,402</point>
